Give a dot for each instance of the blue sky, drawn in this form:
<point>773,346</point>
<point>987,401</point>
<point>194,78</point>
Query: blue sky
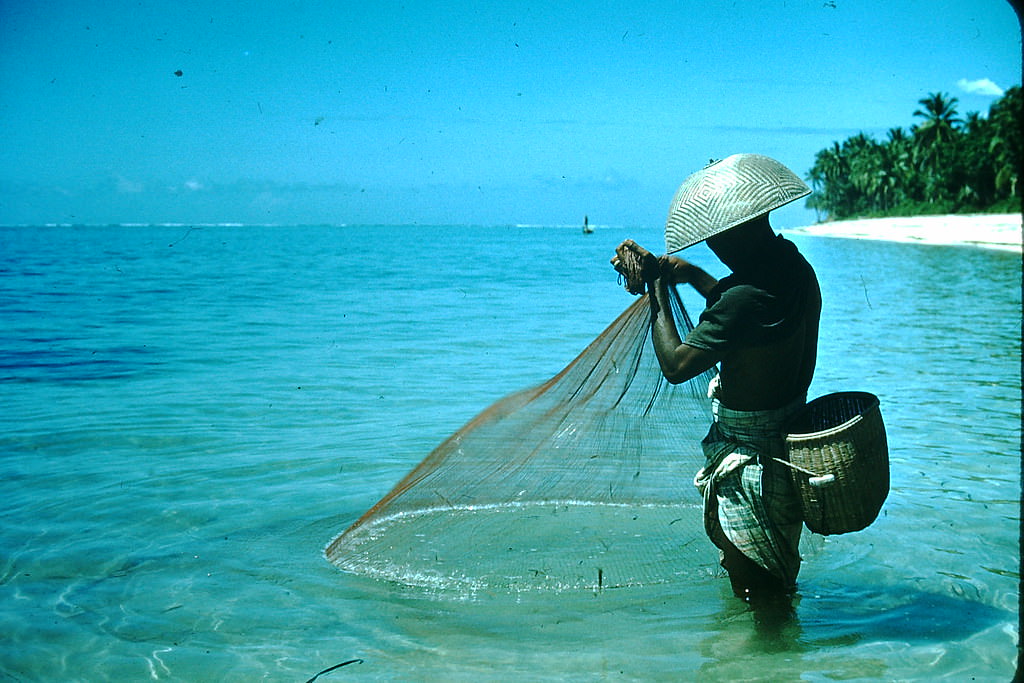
<point>454,112</point>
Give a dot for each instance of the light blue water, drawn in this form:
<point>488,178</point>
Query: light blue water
<point>190,415</point>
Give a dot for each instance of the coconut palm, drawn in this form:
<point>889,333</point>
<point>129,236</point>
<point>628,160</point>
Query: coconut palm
<point>940,118</point>
<point>934,140</point>
<point>976,162</point>
<point>1007,121</point>
<point>942,163</point>
<point>905,180</point>
<point>865,172</point>
<point>829,176</point>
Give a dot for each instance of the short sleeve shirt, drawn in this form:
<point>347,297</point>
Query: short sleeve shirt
<point>756,308</point>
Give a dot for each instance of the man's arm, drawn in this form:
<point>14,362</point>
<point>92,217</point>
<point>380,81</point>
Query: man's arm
<point>679,362</point>
<point>681,271</point>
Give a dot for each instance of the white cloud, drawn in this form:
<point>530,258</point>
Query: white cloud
<point>982,86</point>
<point>193,185</point>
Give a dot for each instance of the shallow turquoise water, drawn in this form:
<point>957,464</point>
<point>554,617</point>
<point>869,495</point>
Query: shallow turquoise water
<point>190,415</point>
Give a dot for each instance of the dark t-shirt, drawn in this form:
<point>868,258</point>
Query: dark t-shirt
<point>760,306</point>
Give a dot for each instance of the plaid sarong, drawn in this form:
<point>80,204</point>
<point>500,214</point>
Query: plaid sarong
<point>749,499</point>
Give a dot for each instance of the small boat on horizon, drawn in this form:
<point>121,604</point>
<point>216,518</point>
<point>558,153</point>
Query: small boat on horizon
<point>586,226</point>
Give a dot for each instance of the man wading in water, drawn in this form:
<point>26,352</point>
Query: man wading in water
<point>761,325</point>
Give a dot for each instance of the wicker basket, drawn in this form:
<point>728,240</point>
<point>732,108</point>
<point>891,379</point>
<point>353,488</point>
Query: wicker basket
<point>839,461</point>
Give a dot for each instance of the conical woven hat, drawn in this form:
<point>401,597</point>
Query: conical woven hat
<point>727,193</point>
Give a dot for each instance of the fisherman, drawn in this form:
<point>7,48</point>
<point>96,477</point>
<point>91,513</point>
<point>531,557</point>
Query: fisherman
<point>761,327</point>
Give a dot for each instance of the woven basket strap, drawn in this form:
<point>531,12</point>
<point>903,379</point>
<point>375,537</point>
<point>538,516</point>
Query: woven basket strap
<point>796,467</point>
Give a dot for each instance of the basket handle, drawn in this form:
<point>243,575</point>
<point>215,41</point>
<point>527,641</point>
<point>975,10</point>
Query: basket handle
<point>813,478</point>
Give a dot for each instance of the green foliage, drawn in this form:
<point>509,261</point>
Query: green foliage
<point>943,164</point>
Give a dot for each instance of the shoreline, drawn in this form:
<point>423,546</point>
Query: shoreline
<point>986,231</point>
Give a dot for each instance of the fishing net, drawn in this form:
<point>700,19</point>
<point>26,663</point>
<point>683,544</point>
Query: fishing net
<point>582,482</point>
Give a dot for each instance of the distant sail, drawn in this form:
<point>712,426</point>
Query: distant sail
<point>586,226</point>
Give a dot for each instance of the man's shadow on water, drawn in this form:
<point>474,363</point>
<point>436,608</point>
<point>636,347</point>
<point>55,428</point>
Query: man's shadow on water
<point>877,613</point>
<point>815,618</point>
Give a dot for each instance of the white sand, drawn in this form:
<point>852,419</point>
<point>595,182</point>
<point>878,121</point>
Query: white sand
<point>990,231</point>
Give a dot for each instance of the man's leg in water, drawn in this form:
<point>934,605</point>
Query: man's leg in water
<point>750,580</point>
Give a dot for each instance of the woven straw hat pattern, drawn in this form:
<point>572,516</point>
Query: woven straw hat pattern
<point>728,193</point>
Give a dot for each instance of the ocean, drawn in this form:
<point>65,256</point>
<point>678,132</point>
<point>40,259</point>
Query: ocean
<point>191,413</point>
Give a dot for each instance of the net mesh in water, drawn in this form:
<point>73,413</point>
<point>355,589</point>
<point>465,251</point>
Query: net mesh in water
<point>582,482</point>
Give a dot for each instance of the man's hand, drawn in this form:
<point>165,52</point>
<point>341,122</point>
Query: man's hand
<point>637,265</point>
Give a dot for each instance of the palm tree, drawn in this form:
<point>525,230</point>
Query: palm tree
<point>829,176</point>
<point>904,179</point>
<point>941,163</point>
<point>940,119</point>
<point>1007,121</point>
<point>934,142</point>
<point>976,163</point>
<point>862,153</point>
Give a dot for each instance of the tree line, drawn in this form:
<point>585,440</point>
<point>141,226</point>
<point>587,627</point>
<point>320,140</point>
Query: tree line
<point>942,164</point>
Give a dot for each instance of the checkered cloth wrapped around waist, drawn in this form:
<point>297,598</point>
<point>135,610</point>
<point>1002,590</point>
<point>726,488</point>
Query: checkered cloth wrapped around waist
<point>749,500</point>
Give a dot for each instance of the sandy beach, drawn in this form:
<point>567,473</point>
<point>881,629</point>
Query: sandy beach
<point>989,231</point>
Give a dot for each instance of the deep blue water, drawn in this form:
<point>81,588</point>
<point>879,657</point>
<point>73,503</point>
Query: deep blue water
<point>190,414</point>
